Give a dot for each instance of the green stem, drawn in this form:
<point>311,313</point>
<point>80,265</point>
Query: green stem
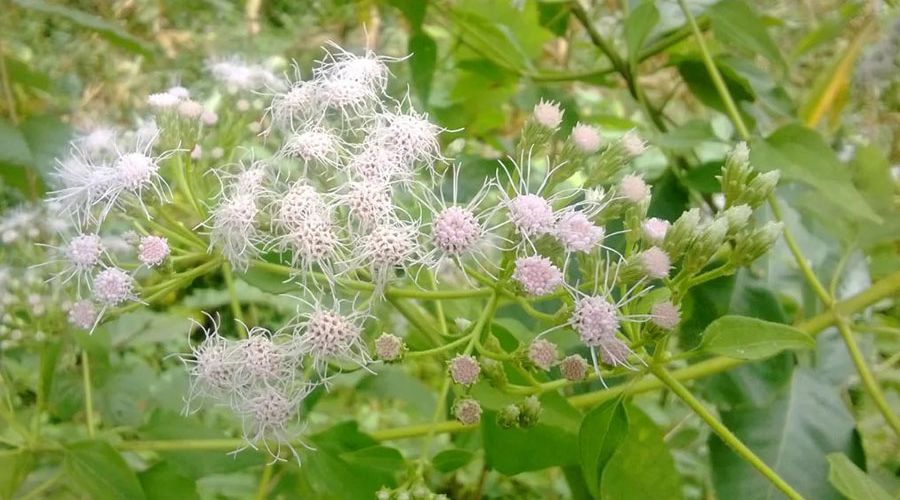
<point>866,376</point>
<point>886,287</point>
<point>717,79</point>
<point>726,435</point>
<point>446,347</point>
<point>232,292</point>
<point>415,316</point>
<point>262,491</point>
<point>88,395</point>
<point>801,260</point>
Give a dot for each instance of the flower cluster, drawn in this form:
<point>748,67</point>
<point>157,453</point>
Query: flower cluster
<point>357,195</point>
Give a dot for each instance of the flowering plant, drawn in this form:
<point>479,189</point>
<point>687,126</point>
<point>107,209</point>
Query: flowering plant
<point>315,239</point>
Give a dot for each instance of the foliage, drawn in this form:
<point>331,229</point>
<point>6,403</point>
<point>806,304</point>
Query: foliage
<point>758,358</point>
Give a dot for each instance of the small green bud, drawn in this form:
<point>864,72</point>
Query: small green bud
<point>508,417</point>
<point>759,189</point>
<point>706,245</point>
<point>682,233</point>
<point>736,173</point>
<point>751,245</point>
<point>494,373</point>
<point>530,411</point>
<point>737,217</point>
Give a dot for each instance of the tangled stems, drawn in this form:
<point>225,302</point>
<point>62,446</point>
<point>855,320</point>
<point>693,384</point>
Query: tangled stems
<point>886,287</point>
<point>828,299</point>
<point>726,435</point>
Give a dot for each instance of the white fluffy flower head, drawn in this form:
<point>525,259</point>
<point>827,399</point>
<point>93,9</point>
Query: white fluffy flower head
<point>537,275</point>
<point>577,233</point>
<point>112,286</point>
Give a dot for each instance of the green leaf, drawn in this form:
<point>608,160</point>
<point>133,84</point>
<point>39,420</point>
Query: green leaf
<point>601,433</point>
<point>452,459</point>
<point>195,464</point>
<point>47,138</point>
<point>268,281</point>
<point>422,61</point>
<point>163,481</point>
<point>112,32</point>
<point>376,457</point>
<point>851,481</point>
<point>803,155</point>
<point>750,338</point>
<point>552,442</point>
<point>688,136</point>
<point>792,435</point>
<point>735,23</point>
<point>638,26</point>
<point>14,468</point>
<point>642,466</point>
<point>20,72</point>
<point>413,10</point>
<point>98,470</point>
<point>14,149</point>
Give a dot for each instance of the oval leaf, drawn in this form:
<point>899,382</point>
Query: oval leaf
<point>98,470</point>
<point>450,460</point>
<point>750,338</point>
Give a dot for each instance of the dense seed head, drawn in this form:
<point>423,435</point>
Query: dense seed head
<point>368,202</point>
<point>216,364</point>
<point>312,145</point>
<point>270,411</point>
<point>153,250</point>
<point>577,233</point>
<point>574,368</point>
<point>537,275</point>
<point>464,369</point>
<point>84,251</point>
<point>389,244</point>
<point>594,318</point>
<point>260,358</point>
<point>532,215</point>
<point>112,286</point>
<point>389,347</point>
<point>455,230</point>
<point>298,205</point>
<point>328,333</point>
<point>344,94</point>
<point>314,240</point>
<point>467,411</point>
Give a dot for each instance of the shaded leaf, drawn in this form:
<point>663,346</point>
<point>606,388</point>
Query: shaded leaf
<point>376,457</point>
<point>14,468</point>
<point>99,471</point>
<point>642,466</point>
<point>110,31</point>
<point>422,60</point>
<point>734,22</point>
<point>791,435</point>
<point>452,459</point>
<point>851,481</point>
<point>638,26</point>
<point>163,481</point>
<point>750,338</point>
<point>601,433</point>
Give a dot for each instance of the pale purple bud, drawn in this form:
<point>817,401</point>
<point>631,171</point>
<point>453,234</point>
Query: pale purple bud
<point>655,263</point>
<point>665,315</point>
<point>389,347</point>
<point>654,230</point>
<point>574,368</point>
<point>586,138</point>
<point>153,250</point>
<point>464,369</point>
<point>547,114</point>
<point>542,353</point>
<point>467,411</point>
